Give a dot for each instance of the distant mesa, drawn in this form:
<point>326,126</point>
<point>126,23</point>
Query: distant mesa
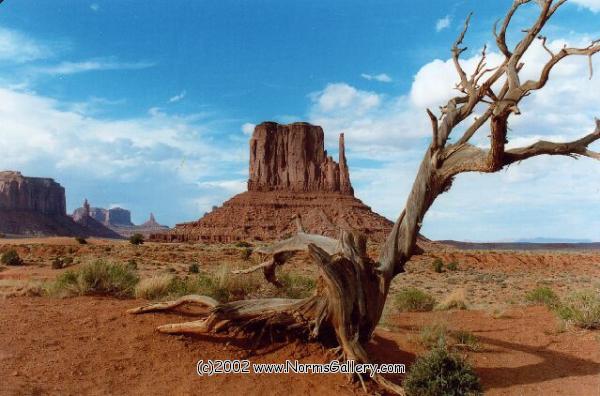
<point>118,220</point>
<point>37,206</point>
<point>290,175</point>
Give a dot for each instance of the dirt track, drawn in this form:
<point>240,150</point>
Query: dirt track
<point>90,346</point>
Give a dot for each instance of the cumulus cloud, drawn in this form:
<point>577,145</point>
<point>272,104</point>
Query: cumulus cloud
<point>392,132</point>
<point>178,97</point>
<point>18,48</point>
<point>248,128</point>
<point>443,23</point>
<point>593,5</point>
<point>65,68</point>
<point>377,77</point>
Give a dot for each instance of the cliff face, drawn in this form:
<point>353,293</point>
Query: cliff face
<point>32,194</point>
<point>37,206</point>
<point>293,158</point>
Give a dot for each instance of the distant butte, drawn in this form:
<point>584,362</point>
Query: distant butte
<point>290,175</point>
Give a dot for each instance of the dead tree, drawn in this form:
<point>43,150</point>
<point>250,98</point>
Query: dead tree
<point>352,288</point>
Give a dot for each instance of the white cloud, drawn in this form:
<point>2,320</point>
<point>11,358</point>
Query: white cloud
<point>378,77</point>
<point>94,7</point>
<point>443,23</point>
<point>18,48</point>
<point>248,128</point>
<point>65,68</point>
<point>593,5</point>
<point>178,97</point>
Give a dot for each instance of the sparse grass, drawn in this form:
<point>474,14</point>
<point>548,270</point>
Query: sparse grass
<point>132,264</point>
<point>136,239</point>
<point>433,335</point>
<point>246,253</point>
<point>466,340</point>
<point>412,299</point>
<point>222,286</point>
<point>95,278</point>
<point>452,265</point>
<point>581,308</point>
<point>11,257</point>
<point>455,300</point>
<point>438,265</point>
<point>81,240</point>
<point>194,268</point>
<point>441,372</point>
<point>61,262</point>
<point>296,286</point>
<point>543,295</point>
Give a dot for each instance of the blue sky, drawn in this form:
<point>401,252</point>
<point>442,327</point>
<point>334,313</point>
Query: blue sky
<point>148,105</point>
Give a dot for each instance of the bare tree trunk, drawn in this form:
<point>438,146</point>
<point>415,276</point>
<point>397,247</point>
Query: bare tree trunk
<point>352,288</point>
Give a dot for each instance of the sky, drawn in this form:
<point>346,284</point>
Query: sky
<point>149,105</point>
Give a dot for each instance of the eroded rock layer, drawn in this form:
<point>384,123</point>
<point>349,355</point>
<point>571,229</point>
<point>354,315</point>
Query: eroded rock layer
<point>267,216</point>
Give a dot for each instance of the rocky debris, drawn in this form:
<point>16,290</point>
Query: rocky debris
<point>293,158</point>
<point>117,219</point>
<point>37,206</point>
<point>290,175</point>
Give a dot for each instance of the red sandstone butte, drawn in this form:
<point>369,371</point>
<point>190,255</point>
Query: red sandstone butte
<point>290,175</point>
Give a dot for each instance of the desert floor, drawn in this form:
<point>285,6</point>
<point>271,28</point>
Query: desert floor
<point>89,345</point>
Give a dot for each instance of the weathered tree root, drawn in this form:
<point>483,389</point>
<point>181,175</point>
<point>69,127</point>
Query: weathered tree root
<point>345,304</point>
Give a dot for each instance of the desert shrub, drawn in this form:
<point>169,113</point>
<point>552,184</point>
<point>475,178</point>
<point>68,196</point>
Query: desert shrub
<point>61,262</point>
<point>296,286</point>
<point>243,244</point>
<point>582,308</point>
<point>455,300</point>
<point>438,265</point>
<point>452,265</point>
<point>194,268</point>
<point>132,264</point>
<point>412,299</point>
<point>433,335</point>
<point>441,372</point>
<point>11,257</point>
<point>136,239</point>
<point>246,253</point>
<point>543,295</point>
<point>465,339</point>
<point>222,287</point>
<point>81,240</point>
<point>95,278</point>
<point>2,235</point>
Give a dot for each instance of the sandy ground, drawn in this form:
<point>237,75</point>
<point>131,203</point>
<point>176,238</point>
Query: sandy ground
<point>88,345</point>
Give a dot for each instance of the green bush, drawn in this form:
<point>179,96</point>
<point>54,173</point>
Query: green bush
<point>81,240</point>
<point>136,239</point>
<point>438,265</point>
<point>412,299</point>
<point>2,235</point>
<point>95,278</point>
<point>194,268</point>
<point>441,372</point>
<point>543,295</point>
<point>582,308</point>
<point>246,253</point>
<point>132,264</point>
<point>452,265</point>
<point>11,257</point>
<point>296,286</point>
<point>243,244</point>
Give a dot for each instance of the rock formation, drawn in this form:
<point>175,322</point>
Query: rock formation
<point>37,206</point>
<point>290,175</point>
<point>293,158</point>
<point>118,220</point>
